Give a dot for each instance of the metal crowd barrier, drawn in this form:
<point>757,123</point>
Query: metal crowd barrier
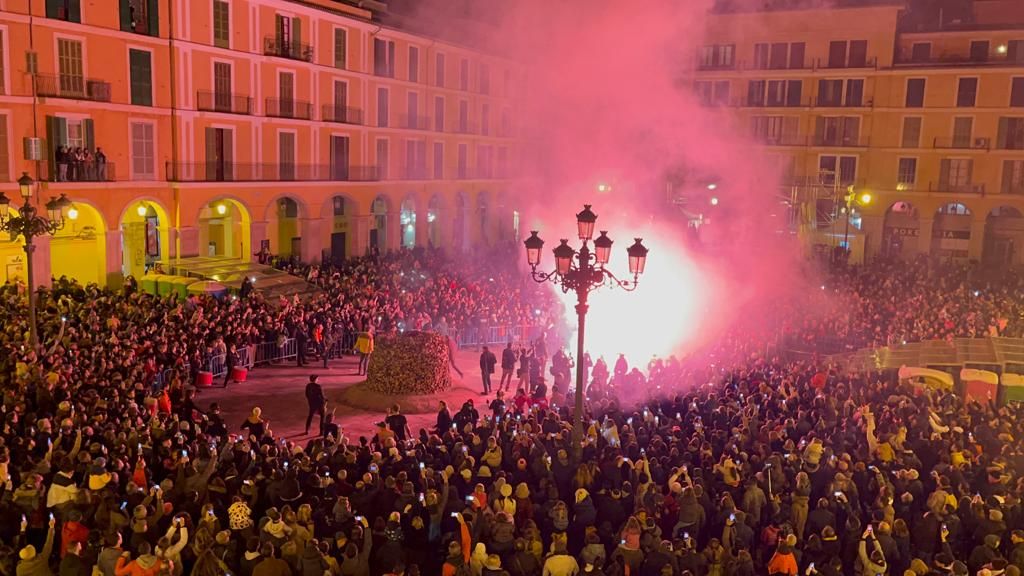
<point>217,365</point>
<point>494,335</point>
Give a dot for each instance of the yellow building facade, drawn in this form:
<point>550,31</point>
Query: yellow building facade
<point>926,119</point>
<point>229,126</point>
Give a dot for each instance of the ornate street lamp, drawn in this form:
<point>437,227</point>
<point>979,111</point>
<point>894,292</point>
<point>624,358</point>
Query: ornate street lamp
<point>585,274</point>
<point>28,224</point>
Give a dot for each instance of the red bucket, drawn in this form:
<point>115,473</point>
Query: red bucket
<point>204,379</point>
<point>239,374</point>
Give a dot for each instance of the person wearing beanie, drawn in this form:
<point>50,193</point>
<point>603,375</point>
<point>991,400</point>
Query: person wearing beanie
<point>30,562</point>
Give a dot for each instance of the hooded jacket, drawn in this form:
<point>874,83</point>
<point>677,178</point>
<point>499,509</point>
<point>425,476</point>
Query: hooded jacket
<point>145,565</point>
<point>311,563</point>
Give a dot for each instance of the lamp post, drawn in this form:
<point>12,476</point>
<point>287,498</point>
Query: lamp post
<point>581,272</point>
<point>852,197</point>
<point>29,224</point>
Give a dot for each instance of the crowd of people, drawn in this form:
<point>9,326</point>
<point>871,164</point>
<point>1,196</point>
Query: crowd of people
<point>763,466</point>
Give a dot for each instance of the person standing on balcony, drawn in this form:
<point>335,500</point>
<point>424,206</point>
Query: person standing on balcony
<point>61,158</point>
<point>101,165</point>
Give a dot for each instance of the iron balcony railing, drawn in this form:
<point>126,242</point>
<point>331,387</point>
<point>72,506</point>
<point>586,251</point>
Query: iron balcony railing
<point>342,114</point>
<point>290,108</point>
<point>963,143</point>
<point>415,122</point>
<point>837,141</point>
<point>274,46</point>
<point>91,171</point>
<point>77,87</point>
<point>966,188</point>
<point>227,102</point>
<point>268,172</point>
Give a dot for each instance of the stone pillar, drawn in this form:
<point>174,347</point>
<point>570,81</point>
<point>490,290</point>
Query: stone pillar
<point>976,244</point>
<point>924,239</point>
<point>257,234</point>
<point>189,236</point>
<point>873,229</point>
<point>41,266</point>
<point>359,231</point>
<point>115,271</point>
<point>423,228</point>
<point>312,240</point>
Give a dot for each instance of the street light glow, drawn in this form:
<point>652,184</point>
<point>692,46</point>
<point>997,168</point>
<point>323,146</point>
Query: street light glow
<point>712,186</point>
<point>865,198</point>
<point>221,209</point>
<point>73,213</point>
<point>714,200</point>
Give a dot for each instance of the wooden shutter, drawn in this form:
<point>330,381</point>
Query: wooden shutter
<point>56,131</point>
<point>229,153</point>
<point>391,59</point>
<point>944,174</point>
<point>153,14</point>
<point>88,134</point>
<point>819,128</point>
<point>1007,187</point>
<point>74,11</point>
<point>970,171</point>
<point>125,14</point>
<point>211,154</point>
<point>794,92</point>
<point>297,38</point>
<point>340,47</point>
<point>1001,135</point>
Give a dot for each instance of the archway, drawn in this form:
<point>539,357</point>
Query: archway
<point>434,209</point>
<point>459,223</point>
<point>407,217</point>
<point>336,211</point>
<point>900,230</point>
<point>224,230</point>
<point>1004,234</point>
<point>951,232</point>
<point>79,249</point>
<point>483,208</point>
<point>283,227</point>
<point>379,232</point>
<point>145,237</point>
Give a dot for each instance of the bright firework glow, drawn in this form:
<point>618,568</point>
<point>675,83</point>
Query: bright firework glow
<point>663,316</point>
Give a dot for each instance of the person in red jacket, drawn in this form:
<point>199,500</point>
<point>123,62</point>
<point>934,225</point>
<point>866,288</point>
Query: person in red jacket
<point>145,565</point>
<point>72,532</point>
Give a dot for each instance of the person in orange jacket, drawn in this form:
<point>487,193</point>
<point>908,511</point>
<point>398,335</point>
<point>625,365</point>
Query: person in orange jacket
<point>783,562</point>
<point>145,565</point>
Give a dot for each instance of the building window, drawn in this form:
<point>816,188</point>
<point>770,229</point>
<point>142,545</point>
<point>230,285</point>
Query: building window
<point>963,130</point>
<point>777,55</point>
<point>858,57</point>
<point>69,56</point>
<point>775,130</point>
<point>340,47</point>
<point>796,55</point>
<point>439,113</point>
<point>140,16</point>
<point>1015,51</point>
<point>784,92</point>
<point>1013,177</point>
<point>756,92</point>
<point>717,56</point>
<point>464,74</point>
<point>485,79</point>
<point>906,175</point>
<point>921,52</point>
<point>286,155</point>
<point>911,132</point>
<point>1011,134</point>
<point>439,160</point>
<point>143,151</point>
<point>414,64</point>
<point>5,153</point>
<point>915,93</point>
<point>288,38</point>
<point>761,54</point>
<point>286,94</point>
<point>463,117</point>
<point>837,54</point>
<point>846,166</point>
<point>462,162</point>
<point>979,50</point>
<point>383,158</point>
<point>141,77</point>
<point>439,64</point>
<point>383,57</point>
<point>502,168</point>
<point>967,92</point>
<point>222,86</point>
<point>1017,92</point>
<point>68,10</point>
<point>485,119</point>
<point>955,174</point>
<point>837,131</point>
<point>221,24</point>
<point>382,107</point>
<point>3,64</point>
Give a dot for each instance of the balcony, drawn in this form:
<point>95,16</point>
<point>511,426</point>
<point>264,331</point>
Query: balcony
<point>416,173</point>
<point>781,140</point>
<point>296,109</point>
<point>341,114</point>
<point>464,128</point>
<point>713,67</point>
<point>959,143</point>
<point>274,46</point>
<point>956,60</point>
<point>968,188</point>
<point>226,102</point>
<point>846,65</point>
<point>268,172</point>
<point>415,122</point>
<point>75,87</point>
<point>837,141</point>
<point>841,103</point>
<point>1013,141</point>
<point>88,172</point>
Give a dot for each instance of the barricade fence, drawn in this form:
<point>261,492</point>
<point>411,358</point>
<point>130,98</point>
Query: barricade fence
<point>263,353</point>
